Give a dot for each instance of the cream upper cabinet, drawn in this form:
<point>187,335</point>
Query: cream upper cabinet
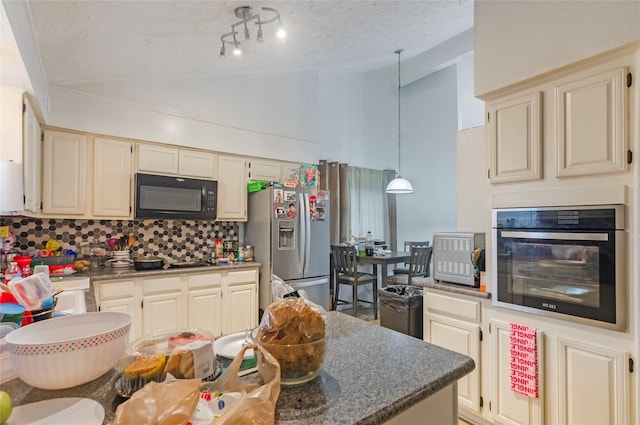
<point>197,164</point>
<point>176,161</point>
<point>232,188</point>
<point>32,160</point>
<point>111,178</point>
<point>64,173</point>
<point>263,169</point>
<point>11,124</point>
<point>593,384</point>
<point>515,137</point>
<point>157,159</point>
<point>591,124</point>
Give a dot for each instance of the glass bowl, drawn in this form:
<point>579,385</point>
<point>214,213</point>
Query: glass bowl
<point>299,363</point>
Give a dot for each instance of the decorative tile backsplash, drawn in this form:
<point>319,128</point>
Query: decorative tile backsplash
<point>173,239</point>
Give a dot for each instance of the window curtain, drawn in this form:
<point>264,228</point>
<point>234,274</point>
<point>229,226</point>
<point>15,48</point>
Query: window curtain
<point>369,204</point>
<point>357,200</point>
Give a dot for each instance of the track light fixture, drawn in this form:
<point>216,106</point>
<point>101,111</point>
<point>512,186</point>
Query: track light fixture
<point>245,15</point>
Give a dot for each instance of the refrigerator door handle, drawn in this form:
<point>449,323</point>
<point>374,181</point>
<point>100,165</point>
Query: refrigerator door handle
<point>301,232</point>
<point>307,219</point>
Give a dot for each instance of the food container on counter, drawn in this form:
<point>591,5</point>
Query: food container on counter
<point>185,354</point>
<point>31,291</point>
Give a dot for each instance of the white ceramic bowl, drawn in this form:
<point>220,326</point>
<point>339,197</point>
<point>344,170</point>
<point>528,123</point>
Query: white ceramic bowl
<point>68,351</point>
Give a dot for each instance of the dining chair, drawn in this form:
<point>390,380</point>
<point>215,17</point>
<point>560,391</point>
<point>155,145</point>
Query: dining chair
<point>407,248</point>
<point>418,266</point>
<point>345,264</point>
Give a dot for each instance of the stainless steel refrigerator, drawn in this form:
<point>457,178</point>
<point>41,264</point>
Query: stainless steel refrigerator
<point>289,229</point>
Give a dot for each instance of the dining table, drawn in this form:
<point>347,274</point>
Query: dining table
<point>383,261</point>
<point>393,257</point>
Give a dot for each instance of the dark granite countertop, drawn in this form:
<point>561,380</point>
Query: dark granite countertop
<point>370,374</point>
<point>108,273</point>
<point>428,282</point>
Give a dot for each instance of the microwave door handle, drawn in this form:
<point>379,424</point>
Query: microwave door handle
<point>563,236</point>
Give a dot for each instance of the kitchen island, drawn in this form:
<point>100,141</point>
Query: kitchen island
<point>371,375</point>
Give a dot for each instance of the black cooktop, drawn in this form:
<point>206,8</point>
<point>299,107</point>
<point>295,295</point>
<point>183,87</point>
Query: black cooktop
<point>180,264</point>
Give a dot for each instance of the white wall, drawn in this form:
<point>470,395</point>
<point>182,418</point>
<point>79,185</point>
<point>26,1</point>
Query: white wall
<point>515,40</point>
<point>267,115</point>
<point>429,129</point>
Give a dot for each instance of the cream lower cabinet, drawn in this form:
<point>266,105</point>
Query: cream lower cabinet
<point>593,385</point>
<point>204,301</point>
<point>455,322</point>
<point>507,406</point>
<point>221,302</point>
<point>162,304</point>
<point>122,296</point>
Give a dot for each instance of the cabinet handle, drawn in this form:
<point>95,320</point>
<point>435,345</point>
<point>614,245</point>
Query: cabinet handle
<point>629,79</point>
<point>629,156</point>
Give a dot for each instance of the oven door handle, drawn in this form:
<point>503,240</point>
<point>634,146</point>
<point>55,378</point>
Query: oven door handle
<point>556,236</point>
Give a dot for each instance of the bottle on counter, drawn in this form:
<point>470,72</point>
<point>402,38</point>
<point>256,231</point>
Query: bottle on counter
<point>368,244</point>
<point>13,272</point>
<point>219,250</point>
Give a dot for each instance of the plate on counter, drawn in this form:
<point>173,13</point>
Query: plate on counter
<point>58,411</point>
<point>230,345</point>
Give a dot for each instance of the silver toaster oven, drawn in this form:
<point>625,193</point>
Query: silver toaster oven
<point>452,256</point>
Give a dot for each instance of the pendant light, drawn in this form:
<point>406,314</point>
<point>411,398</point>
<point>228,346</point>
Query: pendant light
<point>399,185</point>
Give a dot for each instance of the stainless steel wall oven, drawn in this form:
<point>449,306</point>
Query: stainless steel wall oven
<point>563,262</point>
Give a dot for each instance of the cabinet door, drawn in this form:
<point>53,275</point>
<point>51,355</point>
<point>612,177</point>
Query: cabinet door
<point>11,124</point>
<point>463,338</point>
<point>162,312</point>
<point>111,178</point>
<point>204,310</point>
<point>32,161</point>
<point>591,125</point>
<point>593,384</point>
<point>126,305</point>
<point>65,173</point>
<point>241,308</point>
<point>263,169</point>
<point>516,139</point>
<point>157,159</point>
<point>232,189</point>
<point>197,164</point>
<point>509,407</point>
<point>204,301</point>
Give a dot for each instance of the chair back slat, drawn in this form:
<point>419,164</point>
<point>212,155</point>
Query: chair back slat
<point>410,244</point>
<point>344,258</point>
<point>419,261</point>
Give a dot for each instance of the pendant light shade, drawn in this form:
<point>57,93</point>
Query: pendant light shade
<point>399,185</point>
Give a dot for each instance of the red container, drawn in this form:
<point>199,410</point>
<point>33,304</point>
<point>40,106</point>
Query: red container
<point>24,263</point>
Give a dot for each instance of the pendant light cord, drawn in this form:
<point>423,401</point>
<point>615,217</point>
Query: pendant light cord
<point>399,86</point>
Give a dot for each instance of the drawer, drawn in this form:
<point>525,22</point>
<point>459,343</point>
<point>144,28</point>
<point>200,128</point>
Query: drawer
<point>116,290</point>
<point>453,306</point>
<point>242,276</point>
<point>161,284</point>
<point>205,280</point>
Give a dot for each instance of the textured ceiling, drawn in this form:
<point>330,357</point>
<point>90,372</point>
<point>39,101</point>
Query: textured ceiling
<point>91,41</point>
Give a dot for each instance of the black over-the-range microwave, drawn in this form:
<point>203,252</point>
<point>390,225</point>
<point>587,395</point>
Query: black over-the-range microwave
<point>166,197</point>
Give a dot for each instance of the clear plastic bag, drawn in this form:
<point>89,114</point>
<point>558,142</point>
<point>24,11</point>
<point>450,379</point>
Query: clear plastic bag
<point>258,405</point>
<point>174,401</point>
